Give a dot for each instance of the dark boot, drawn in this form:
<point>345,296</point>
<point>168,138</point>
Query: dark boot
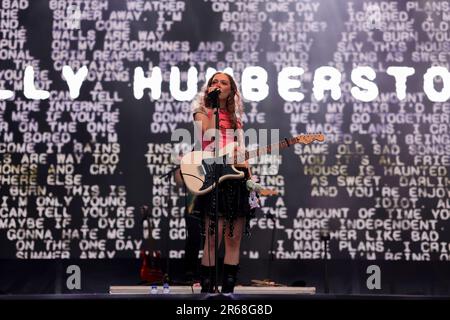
<point>207,275</point>
<point>229,277</point>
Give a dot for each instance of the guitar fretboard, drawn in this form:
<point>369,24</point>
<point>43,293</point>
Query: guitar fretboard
<point>304,139</point>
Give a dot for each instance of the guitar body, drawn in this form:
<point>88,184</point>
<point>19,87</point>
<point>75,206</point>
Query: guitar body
<point>197,169</point>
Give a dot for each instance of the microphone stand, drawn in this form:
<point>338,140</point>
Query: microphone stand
<point>271,217</point>
<point>325,237</point>
<point>214,99</point>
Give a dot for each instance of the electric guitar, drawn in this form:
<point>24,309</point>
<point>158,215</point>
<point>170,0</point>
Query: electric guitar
<point>197,167</point>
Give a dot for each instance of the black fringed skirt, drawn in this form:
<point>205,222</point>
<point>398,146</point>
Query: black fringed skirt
<point>233,202</point>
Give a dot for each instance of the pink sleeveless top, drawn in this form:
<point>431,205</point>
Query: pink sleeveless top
<point>226,130</point>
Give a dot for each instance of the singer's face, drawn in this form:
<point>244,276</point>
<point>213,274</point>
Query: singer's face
<point>222,82</point>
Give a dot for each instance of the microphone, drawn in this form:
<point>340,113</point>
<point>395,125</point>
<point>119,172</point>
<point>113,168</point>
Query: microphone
<point>214,94</point>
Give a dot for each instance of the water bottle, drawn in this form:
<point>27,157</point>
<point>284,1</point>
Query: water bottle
<point>166,288</point>
<point>154,289</point>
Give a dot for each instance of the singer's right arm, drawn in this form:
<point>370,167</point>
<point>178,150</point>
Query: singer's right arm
<point>205,121</point>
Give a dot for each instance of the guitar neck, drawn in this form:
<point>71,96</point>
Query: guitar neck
<point>304,139</point>
<point>268,149</point>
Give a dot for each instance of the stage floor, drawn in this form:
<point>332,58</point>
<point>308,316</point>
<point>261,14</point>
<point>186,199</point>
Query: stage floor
<point>196,290</point>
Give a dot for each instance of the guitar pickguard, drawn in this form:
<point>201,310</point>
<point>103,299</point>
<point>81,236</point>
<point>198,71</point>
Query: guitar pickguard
<point>224,171</point>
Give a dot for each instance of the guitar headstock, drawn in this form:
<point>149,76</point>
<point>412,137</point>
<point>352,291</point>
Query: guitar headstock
<point>268,192</point>
<point>310,137</point>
